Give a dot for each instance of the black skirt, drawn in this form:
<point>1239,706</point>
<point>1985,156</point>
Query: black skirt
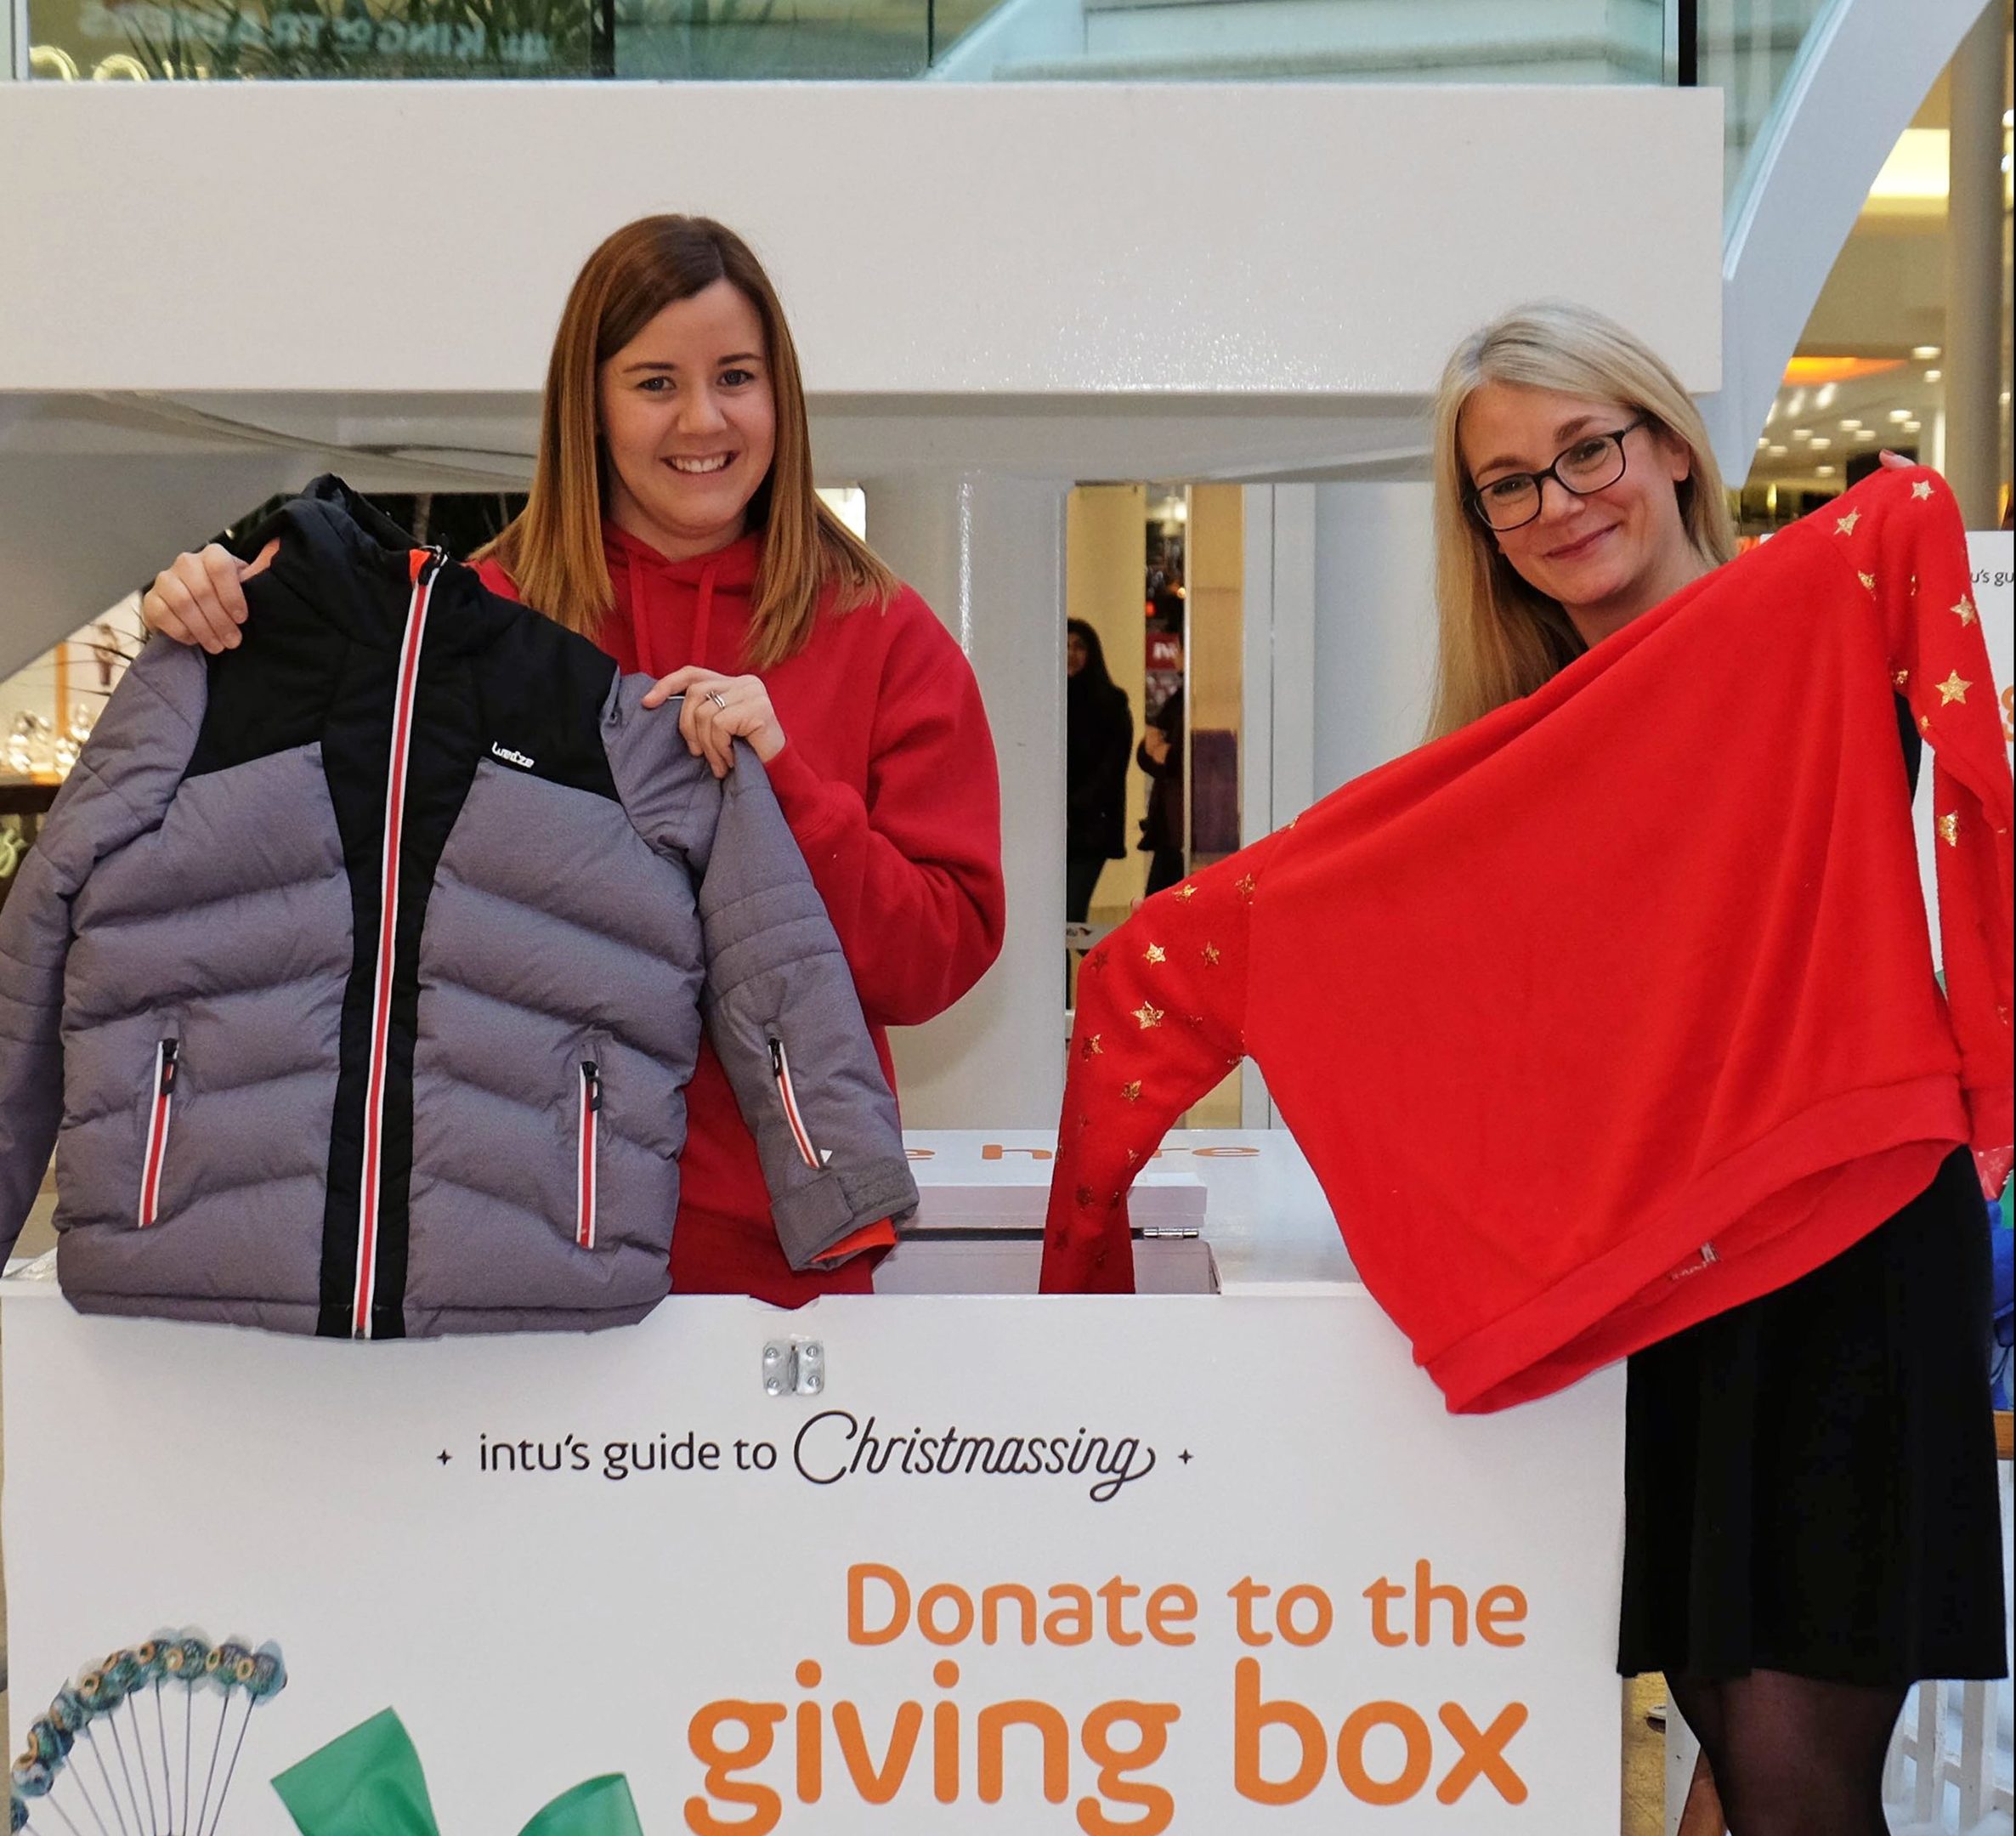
<point>1810,1478</point>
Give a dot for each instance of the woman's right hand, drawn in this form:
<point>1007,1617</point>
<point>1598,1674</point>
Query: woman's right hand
<point>197,599</point>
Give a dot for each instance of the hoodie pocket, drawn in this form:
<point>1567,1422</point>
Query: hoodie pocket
<point>160,1115</point>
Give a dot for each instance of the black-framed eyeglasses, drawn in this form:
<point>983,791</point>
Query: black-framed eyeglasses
<point>1593,463</point>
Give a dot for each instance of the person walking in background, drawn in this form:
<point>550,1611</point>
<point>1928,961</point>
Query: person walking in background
<point>1160,755</point>
<point>1098,731</point>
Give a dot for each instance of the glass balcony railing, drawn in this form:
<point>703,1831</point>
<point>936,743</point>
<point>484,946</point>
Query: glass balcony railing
<point>1745,47</point>
<point>1746,50</point>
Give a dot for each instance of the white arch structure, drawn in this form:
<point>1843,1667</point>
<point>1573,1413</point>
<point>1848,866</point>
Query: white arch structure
<point>1859,78</point>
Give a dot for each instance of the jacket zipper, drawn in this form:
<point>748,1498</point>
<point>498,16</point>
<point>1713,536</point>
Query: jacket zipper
<point>780,1069</point>
<point>591,1111</point>
<point>159,1110</point>
<point>426,565</point>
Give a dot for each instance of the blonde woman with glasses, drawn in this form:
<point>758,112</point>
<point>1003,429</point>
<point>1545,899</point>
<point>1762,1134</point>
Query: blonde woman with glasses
<point>1811,1519</point>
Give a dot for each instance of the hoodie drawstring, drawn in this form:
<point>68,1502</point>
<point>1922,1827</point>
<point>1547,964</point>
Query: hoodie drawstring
<point>703,617</point>
<point>640,627</point>
<point>643,626</point>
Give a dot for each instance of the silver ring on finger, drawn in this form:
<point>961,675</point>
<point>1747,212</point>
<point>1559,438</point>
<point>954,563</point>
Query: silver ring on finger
<point>718,698</point>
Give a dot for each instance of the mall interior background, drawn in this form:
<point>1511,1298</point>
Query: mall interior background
<point>1048,325</point>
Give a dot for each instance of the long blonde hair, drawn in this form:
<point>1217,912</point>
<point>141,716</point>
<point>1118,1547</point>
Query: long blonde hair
<point>552,549</point>
<point>1497,638</point>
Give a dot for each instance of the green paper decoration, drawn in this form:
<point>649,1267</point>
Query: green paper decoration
<point>369,1783</point>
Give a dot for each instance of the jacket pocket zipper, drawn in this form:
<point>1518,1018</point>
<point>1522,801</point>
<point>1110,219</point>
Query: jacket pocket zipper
<point>590,1115</point>
<point>160,1110</point>
<point>780,1070</point>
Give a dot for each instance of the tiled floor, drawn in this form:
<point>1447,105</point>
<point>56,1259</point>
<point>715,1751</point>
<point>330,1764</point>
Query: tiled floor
<point>1643,1812</point>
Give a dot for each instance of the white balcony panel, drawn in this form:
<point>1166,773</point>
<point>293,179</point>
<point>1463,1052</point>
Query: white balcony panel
<point>932,242</point>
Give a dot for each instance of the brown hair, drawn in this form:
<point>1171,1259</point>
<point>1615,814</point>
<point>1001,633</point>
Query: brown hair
<point>552,549</point>
<point>1499,639</point>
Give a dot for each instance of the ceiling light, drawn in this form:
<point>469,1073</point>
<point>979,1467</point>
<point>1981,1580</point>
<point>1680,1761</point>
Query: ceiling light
<point>1899,415</point>
<point>1801,432</point>
<point>1924,353</point>
<point>1915,173</point>
<point>1912,427</point>
<point>1823,470</point>
<point>1932,375</point>
<point>1825,397</point>
<point>1796,405</point>
<point>1823,370</point>
<point>1821,445</point>
<point>1850,427</point>
<point>1762,441</point>
<point>1865,433</point>
<point>1778,452</point>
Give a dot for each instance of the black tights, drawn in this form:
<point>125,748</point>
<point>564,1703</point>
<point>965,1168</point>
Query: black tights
<point>1792,1755</point>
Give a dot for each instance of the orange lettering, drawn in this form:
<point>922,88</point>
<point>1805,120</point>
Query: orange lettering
<point>1250,1716</point>
<point>990,1610</point>
<point>758,1722</point>
<point>1350,1753</point>
<point>1152,1721</point>
<point>1382,1594</point>
<point>859,1575</point>
<point>811,1755</point>
<point>1319,1620</point>
<point>1483,1754</point>
<point>1246,1594</point>
<point>1116,1593</point>
<point>945,1737</point>
<point>1072,1621</point>
<point>877,1786</point>
<point>1497,1607</point>
<point>996,1719</point>
<point>1426,1594</point>
<point>1170,1607</point>
<point>927,1613</point>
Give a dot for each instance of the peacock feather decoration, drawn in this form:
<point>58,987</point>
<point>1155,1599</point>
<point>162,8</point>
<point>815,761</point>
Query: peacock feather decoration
<point>138,1745</point>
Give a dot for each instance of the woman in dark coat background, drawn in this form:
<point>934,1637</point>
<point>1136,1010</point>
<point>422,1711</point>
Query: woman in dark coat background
<point>1099,732</point>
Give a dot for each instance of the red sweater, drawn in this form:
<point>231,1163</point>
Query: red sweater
<point>888,781</point>
<point>1616,1007</point>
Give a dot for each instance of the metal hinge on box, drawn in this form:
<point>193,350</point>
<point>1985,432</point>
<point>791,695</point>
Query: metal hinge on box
<point>794,1367</point>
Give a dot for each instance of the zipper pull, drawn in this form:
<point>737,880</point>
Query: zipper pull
<point>777,1059</point>
<point>169,1049</point>
<point>591,1082</point>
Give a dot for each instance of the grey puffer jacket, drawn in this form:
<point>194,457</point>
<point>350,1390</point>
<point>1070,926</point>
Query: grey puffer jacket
<point>358,972</point>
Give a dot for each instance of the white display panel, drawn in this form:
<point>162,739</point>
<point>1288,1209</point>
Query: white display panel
<point>533,1628</point>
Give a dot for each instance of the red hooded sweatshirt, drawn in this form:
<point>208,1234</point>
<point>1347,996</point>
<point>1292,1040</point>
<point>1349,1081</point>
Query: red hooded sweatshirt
<point>1616,1008</point>
<point>888,781</point>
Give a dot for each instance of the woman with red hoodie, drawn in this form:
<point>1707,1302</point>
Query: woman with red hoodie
<point>672,519</point>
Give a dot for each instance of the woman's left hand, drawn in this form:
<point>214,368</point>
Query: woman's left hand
<point>719,709</point>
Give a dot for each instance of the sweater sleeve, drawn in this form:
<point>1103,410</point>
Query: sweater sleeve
<point>1161,1018</point>
<point>910,872</point>
<point>1909,548</point>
